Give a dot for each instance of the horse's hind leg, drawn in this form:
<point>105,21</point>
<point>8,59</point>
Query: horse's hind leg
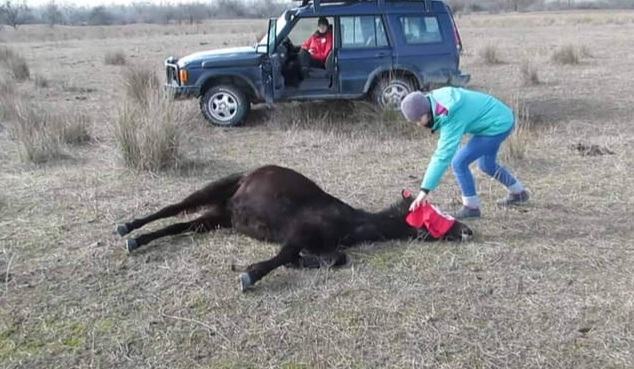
<point>190,203</point>
<point>211,220</point>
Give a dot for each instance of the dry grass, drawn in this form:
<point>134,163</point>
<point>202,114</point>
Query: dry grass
<point>115,58</point>
<point>140,85</point>
<point>358,119</point>
<point>41,82</point>
<point>516,145</point>
<point>490,55</point>
<point>546,285</point>
<point>148,128</point>
<point>529,73</point>
<point>41,135</point>
<point>74,128</point>
<point>7,96</point>
<point>36,133</point>
<point>14,63</point>
<point>584,52</point>
<point>566,55</point>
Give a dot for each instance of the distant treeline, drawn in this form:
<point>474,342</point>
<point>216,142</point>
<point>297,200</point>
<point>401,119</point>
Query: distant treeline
<point>536,5</point>
<point>17,12</point>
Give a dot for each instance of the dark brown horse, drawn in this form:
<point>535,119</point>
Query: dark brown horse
<point>280,205</point>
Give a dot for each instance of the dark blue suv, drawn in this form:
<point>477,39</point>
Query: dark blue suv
<point>382,49</point>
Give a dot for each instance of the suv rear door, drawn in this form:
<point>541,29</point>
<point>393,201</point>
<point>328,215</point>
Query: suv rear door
<point>362,48</point>
<point>425,41</point>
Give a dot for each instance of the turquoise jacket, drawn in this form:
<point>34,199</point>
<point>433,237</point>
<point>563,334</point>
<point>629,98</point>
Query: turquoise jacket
<point>456,112</point>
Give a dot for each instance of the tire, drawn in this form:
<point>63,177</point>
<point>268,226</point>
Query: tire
<point>390,90</point>
<point>224,105</point>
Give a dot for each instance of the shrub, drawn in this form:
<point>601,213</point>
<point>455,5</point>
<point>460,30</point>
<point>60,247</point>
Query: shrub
<point>519,140</point>
<point>115,58</point>
<point>41,135</point>
<point>529,73</point>
<point>140,84</point>
<point>148,130</point>
<point>41,82</point>
<point>36,135</point>
<point>15,64</point>
<point>566,55</point>
<point>73,129</point>
<point>7,94</point>
<point>490,55</point>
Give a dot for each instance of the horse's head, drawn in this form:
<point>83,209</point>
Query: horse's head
<point>458,232</point>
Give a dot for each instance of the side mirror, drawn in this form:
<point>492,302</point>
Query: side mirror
<point>272,35</point>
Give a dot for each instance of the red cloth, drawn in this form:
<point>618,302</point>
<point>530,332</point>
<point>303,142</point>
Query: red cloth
<point>428,216</point>
<point>320,44</point>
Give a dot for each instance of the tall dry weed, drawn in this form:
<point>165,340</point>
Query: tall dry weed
<point>490,55</point>
<point>519,140</point>
<point>140,84</point>
<point>529,73</point>
<point>7,97</point>
<point>36,134</point>
<point>42,136</point>
<point>149,127</point>
<point>115,58</point>
<point>566,55</point>
<point>15,64</point>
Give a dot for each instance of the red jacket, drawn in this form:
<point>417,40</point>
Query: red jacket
<point>320,45</point>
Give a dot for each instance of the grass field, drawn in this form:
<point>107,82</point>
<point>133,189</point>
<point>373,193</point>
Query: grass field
<point>548,285</point>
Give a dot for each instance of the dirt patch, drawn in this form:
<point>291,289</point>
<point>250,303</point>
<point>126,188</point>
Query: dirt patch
<point>590,150</point>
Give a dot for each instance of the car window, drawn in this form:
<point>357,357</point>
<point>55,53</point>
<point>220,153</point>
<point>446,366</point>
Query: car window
<point>303,29</point>
<point>362,32</point>
<point>421,30</point>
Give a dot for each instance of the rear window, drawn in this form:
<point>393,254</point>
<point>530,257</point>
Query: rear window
<point>362,32</point>
<point>420,30</point>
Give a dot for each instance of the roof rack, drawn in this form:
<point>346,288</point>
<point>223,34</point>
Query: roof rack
<point>317,3</point>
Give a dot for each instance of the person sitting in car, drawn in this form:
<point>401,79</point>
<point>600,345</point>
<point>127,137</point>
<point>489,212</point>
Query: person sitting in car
<point>315,50</point>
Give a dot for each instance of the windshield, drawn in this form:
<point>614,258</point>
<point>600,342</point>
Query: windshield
<point>281,23</point>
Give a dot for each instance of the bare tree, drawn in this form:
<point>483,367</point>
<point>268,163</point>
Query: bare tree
<point>52,14</point>
<point>99,16</point>
<point>13,13</point>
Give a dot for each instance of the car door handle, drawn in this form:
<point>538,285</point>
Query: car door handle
<point>380,54</point>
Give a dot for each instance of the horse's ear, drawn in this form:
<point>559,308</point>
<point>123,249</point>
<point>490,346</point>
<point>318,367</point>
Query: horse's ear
<point>406,194</point>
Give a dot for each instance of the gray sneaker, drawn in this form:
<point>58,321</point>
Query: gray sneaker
<point>514,199</point>
<point>466,212</point>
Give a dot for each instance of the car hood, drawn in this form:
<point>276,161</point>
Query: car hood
<point>236,56</point>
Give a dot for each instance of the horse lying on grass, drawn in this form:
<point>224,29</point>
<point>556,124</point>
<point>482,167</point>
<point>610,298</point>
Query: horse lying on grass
<point>280,205</point>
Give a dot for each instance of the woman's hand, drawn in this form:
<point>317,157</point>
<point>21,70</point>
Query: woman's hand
<point>422,196</point>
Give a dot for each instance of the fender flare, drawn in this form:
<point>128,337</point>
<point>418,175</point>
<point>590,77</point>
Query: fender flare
<point>398,68</point>
<point>207,77</point>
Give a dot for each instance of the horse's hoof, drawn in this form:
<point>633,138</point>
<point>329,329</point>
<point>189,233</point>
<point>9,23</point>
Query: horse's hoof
<point>122,230</point>
<point>245,281</point>
<point>131,245</point>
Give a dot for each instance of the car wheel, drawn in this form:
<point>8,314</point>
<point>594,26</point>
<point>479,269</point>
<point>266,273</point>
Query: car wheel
<point>224,105</point>
<point>389,92</point>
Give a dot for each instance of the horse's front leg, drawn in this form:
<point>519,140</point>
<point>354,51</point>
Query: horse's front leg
<point>288,254</point>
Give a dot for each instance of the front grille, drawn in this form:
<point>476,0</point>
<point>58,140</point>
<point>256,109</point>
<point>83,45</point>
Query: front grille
<point>172,73</point>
